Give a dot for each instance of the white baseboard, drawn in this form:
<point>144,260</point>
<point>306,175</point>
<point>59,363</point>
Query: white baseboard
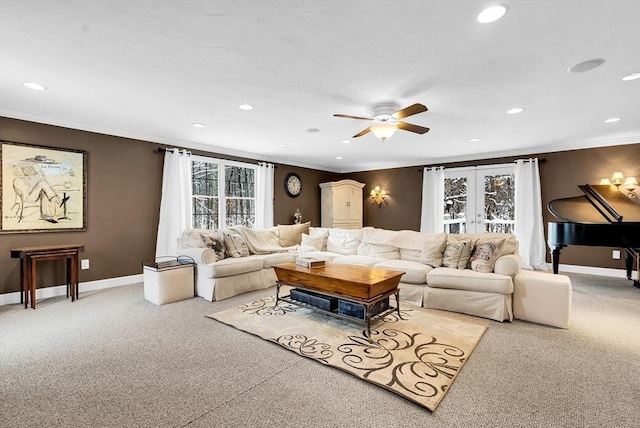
<point>61,290</point>
<point>615,273</point>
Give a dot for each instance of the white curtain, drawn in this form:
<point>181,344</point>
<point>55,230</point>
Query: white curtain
<point>264,196</point>
<point>175,205</point>
<point>432,218</point>
<point>529,228</point>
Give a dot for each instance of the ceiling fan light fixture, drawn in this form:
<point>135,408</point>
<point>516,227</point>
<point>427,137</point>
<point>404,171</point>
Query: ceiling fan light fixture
<point>384,130</point>
<point>492,14</point>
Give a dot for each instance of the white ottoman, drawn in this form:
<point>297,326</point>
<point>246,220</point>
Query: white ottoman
<point>542,297</point>
<point>168,285</point>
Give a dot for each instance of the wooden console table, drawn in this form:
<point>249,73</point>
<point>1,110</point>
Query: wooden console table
<point>30,256</point>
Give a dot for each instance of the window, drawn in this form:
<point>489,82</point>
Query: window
<point>479,200</point>
<point>224,193</point>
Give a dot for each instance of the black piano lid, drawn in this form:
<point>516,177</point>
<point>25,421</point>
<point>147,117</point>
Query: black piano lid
<point>599,204</point>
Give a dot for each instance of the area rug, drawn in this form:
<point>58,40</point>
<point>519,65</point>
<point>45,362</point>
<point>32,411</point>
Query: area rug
<point>417,357</point>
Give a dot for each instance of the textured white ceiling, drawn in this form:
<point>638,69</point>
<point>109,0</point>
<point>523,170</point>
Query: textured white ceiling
<point>148,69</point>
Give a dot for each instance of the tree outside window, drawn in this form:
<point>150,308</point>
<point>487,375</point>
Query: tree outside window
<point>224,194</point>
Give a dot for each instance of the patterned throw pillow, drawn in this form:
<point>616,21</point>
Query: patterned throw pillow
<point>456,253</point>
<point>215,241</point>
<point>236,245</point>
<point>432,250</point>
<point>486,253</point>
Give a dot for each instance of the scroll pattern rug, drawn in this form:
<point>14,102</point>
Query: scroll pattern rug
<point>417,357</point>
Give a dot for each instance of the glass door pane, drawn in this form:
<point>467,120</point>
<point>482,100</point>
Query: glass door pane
<point>479,200</point>
<point>455,204</point>
<point>498,203</point>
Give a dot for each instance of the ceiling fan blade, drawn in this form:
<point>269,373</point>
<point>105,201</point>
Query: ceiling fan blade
<point>363,132</point>
<point>409,111</point>
<point>412,128</point>
<point>346,116</point>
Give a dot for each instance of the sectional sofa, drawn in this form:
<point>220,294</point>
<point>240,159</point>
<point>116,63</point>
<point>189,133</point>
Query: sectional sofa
<point>475,274</point>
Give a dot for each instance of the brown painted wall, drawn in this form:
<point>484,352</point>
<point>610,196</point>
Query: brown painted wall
<point>560,175</point>
<point>125,180</point>
<point>124,189</point>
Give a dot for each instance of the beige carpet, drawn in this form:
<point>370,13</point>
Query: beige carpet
<point>417,357</point>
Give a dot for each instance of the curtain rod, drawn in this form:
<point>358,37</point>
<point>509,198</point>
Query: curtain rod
<point>543,160</point>
<point>166,149</point>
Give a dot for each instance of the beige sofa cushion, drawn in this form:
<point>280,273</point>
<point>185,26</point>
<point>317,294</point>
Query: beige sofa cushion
<point>433,249</point>
<point>231,266</point>
<point>270,260</point>
<point>387,252</point>
<point>315,242</point>
<point>415,272</point>
<point>291,234</point>
<point>343,241</point>
<point>191,238</point>
<point>467,279</point>
<point>320,231</point>
<point>357,260</point>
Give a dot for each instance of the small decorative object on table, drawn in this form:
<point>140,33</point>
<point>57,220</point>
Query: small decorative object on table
<point>297,216</point>
<point>310,263</point>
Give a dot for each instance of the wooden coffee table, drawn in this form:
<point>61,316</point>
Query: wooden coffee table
<point>358,284</point>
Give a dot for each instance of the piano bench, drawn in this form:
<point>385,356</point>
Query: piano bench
<point>542,297</point>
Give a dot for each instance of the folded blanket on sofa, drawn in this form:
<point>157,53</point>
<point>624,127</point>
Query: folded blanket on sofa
<point>255,242</point>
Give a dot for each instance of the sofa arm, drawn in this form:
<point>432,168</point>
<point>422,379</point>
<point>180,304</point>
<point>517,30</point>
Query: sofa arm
<point>199,255</point>
<point>509,264</point>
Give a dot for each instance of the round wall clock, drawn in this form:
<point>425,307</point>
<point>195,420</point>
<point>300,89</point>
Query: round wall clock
<point>293,185</point>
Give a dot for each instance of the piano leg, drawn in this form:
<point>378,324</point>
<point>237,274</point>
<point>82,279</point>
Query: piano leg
<point>632,256</point>
<point>555,258</point>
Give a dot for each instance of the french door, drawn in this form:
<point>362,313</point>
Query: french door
<point>479,199</point>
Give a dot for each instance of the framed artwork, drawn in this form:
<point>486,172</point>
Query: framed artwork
<point>43,189</point>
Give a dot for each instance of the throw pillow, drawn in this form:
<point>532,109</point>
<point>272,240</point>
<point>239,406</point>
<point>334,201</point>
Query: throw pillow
<point>316,242</point>
<point>456,252</point>
<point>485,254</point>
<point>432,250</point>
<point>291,234</point>
<point>215,241</point>
<point>236,245</point>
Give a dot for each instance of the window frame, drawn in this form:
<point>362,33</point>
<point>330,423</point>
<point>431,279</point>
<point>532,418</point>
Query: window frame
<point>222,197</point>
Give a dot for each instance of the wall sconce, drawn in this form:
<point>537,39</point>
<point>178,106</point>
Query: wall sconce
<point>617,178</point>
<point>630,184</point>
<point>377,196</point>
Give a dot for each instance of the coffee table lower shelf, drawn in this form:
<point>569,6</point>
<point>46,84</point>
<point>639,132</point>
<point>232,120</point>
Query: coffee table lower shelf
<point>368,304</point>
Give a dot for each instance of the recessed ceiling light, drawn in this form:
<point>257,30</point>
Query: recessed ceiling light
<point>586,66</point>
<point>34,85</point>
<point>515,110</point>
<point>491,14</point>
<point>339,157</point>
<point>245,107</point>
<point>198,125</point>
<point>473,140</point>
<point>346,141</point>
<point>312,130</point>
<point>283,145</point>
<point>632,76</point>
<point>611,120</point>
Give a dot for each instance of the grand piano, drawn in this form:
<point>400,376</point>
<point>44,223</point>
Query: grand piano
<point>604,216</point>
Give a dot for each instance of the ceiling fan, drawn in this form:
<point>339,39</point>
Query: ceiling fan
<point>387,123</point>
